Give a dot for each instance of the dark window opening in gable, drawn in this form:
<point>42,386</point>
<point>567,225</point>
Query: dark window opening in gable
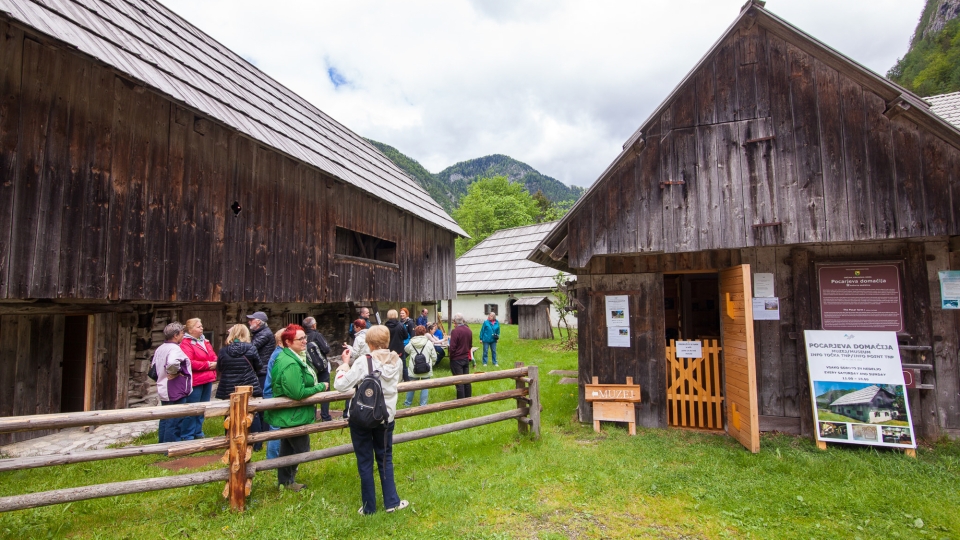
<point>294,318</point>
<point>363,246</point>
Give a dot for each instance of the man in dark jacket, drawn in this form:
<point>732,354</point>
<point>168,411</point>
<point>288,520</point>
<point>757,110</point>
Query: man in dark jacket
<point>263,339</point>
<point>323,368</point>
<point>398,334</point>
<point>461,341</point>
<point>365,315</point>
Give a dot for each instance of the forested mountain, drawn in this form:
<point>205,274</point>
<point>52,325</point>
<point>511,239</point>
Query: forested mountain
<point>932,65</point>
<point>449,185</point>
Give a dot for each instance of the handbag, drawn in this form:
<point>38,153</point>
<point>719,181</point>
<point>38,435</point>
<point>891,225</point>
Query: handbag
<point>153,372</point>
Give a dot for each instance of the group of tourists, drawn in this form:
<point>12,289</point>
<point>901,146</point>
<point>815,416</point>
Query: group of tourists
<point>292,363</point>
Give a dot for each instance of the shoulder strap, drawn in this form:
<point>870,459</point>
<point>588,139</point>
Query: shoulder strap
<point>369,365</point>
<point>421,349</point>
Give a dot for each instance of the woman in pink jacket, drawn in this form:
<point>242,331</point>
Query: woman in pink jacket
<point>204,363</point>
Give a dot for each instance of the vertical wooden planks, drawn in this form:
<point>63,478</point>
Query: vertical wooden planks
<point>11,58</point>
<point>803,93</point>
<point>181,122</point>
<point>9,342</point>
<point>835,196</point>
<point>40,74</point>
<point>909,193</point>
<point>803,318</point>
<point>55,173</point>
<point>92,281</point>
<point>709,195</point>
<point>936,160</point>
<point>706,81</point>
<point>733,231</point>
<point>767,336</point>
<point>789,380</point>
<point>859,208</point>
<point>124,108</point>
<point>232,270</point>
<point>725,68</point>
<point>759,189</point>
<point>650,210</point>
<point>945,348</point>
<point>25,393</point>
<point>747,45</point>
<point>739,357</point>
<point>246,265</point>
<point>216,206</point>
<point>781,113</point>
<point>881,170</point>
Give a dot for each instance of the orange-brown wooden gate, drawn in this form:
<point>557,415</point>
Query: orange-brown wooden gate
<point>694,389</point>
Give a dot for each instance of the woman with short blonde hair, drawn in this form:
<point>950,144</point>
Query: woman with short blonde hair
<point>239,332</point>
<point>203,361</point>
<point>374,444</point>
<point>237,365</point>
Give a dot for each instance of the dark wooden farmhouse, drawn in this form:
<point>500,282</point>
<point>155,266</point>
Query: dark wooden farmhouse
<point>147,174</point>
<point>776,163</point>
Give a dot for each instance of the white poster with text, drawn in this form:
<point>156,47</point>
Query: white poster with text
<point>618,311</point>
<point>618,337</point>
<point>857,385</point>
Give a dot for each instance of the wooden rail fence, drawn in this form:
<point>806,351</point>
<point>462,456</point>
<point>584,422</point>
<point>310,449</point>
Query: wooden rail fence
<point>238,413</point>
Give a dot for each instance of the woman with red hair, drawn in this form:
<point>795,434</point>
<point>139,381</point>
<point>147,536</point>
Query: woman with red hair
<point>293,377</point>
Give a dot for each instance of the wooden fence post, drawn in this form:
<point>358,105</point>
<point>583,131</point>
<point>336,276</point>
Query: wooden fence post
<point>522,427</point>
<point>238,424</point>
<point>534,389</point>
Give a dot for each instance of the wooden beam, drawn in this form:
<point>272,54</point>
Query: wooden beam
<point>88,366</point>
<point>560,251</point>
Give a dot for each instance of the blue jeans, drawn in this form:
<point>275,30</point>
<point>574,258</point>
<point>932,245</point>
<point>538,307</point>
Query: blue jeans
<point>367,445</point>
<point>493,350</point>
<point>273,447</point>
<point>192,426</point>
<point>424,395</point>
<point>170,428</point>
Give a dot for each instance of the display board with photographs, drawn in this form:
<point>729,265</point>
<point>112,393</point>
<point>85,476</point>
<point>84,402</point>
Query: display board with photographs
<point>858,388</point>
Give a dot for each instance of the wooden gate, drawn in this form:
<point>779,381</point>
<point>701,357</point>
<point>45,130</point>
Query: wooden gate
<point>694,390</point>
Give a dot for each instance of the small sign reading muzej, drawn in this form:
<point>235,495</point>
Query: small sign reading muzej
<point>857,387</point>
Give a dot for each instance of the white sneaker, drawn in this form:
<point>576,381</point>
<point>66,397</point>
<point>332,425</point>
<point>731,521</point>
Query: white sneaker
<point>401,506</point>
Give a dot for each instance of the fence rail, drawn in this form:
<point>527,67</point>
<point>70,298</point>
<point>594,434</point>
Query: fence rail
<point>239,414</point>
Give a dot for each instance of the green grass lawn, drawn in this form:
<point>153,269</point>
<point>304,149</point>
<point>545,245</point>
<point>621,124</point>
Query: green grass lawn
<point>830,416</point>
<point>490,482</point>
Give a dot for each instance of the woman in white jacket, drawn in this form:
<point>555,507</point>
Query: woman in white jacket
<point>419,344</point>
<point>376,443</point>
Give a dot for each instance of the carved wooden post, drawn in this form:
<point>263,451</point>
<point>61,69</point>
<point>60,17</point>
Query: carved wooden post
<point>534,389</point>
<point>522,426</point>
<point>238,424</point>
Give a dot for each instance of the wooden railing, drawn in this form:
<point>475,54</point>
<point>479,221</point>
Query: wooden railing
<point>239,415</point>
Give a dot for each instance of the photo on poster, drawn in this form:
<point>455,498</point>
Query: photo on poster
<point>865,433</point>
<point>833,430</point>
<point>616,314</point>
<point>860,402</point>
<point>617,310</point>
<point>618,337</point>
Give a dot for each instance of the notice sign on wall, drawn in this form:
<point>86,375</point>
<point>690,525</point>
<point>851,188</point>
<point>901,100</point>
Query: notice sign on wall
<point>860,297</point>
<point>858,390</point>
<point>617,315</point>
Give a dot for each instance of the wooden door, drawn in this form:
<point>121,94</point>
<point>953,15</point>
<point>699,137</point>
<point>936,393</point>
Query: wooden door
<point>739,358</point>
<point>694,397</point>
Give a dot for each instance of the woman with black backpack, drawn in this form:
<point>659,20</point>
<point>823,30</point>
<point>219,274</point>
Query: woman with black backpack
<point>421,357</point>
<point>378,374</point>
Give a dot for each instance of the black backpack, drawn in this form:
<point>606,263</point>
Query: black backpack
<point>420,364</point>
<point>368,409</point>
<point>318,358</point>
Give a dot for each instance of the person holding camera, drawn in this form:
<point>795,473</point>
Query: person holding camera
<point>489,336</point>
<point>374,443</point>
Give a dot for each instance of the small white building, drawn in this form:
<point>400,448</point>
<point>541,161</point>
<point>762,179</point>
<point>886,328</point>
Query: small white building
<point>496,273</point>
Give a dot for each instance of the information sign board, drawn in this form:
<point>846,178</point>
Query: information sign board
<point>858,388</point>
<point>860,297</point>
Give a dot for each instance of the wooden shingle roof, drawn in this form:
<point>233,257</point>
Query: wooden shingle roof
<point>499,263</point>
<point>150,44</point>
<point>946,106</point>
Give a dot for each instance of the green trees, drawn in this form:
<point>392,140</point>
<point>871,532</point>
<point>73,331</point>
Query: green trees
<point>492,204</point>
<point>932,65</point>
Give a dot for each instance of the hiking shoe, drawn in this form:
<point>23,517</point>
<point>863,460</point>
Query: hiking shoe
<point>496,364</point>
<point>401,506</point>
<point>294,487</point>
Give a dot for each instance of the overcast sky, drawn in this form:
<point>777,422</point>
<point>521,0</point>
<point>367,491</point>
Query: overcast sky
<point>557,84</point>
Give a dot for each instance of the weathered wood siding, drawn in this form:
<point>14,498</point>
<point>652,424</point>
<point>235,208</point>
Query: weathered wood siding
<point>535,322</point>
<point>764,132</point>
<point>111,191</point>
<point>782,380</point>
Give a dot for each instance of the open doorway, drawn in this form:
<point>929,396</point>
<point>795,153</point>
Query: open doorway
<point>74,363</point>
<point>513,310</point>
<point>694,375</point>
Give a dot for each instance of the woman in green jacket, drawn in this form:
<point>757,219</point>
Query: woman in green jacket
<point>293,377</point>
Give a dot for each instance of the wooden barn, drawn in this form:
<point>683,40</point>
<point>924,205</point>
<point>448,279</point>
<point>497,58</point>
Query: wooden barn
<point>778,165</point>
<point>534,317</point>
<point>147,174</point>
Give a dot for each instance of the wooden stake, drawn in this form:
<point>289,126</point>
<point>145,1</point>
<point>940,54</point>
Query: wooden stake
<point>238,428</point>
<point>534,394</point>
<point>522,427</point>
<point>88,367</point>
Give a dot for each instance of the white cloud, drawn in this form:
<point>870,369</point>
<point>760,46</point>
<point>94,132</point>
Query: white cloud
<point>558,84</point>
